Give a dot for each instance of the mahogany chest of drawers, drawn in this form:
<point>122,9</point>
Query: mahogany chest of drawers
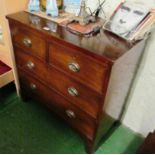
<point>148,145</point>
<point>84,80</point>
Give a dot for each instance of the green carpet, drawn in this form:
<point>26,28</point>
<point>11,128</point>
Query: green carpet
<point>31,128</point>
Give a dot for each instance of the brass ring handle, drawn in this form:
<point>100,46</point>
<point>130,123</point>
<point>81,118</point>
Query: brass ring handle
<point>73,66</point>
<point>30,65</point>
<point>73,92</point>
<point>27,42</point>
<point>70,114</point>
<point>33,86</point>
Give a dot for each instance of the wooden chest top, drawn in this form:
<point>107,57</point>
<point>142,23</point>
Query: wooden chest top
<point>104,46</point>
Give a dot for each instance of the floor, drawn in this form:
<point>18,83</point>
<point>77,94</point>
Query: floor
<point>29,127</point>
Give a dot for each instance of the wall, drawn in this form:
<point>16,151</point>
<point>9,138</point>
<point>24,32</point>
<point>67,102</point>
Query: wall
<point>139,114</point>
<point>15,5</point>
<point>6,51</point>
<point>7,7</point>
<point>4,56</point>
<point>108,6</point>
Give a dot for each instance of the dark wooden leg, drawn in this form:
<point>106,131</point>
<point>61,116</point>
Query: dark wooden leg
<point>24,96</point>
<point>89,145</point>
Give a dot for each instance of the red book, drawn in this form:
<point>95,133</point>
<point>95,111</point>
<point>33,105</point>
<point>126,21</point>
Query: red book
<point>4,68</point>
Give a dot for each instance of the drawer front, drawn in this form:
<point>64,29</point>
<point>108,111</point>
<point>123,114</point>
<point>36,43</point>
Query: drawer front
<point>78,94</point>
<point>30,64</point>
<point>30,42</point>
<point>78,65</point>
<point>81,96</point>
<point>78,119</point>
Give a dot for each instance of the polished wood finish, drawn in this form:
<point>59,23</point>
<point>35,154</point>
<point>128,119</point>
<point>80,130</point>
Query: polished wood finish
<point>148,146</point>
<point>87,99</point>
<point>29,41</point>
<point>63,56</point>
<point>69,73</point>
<point>81,121</point>
<point>103,46</point>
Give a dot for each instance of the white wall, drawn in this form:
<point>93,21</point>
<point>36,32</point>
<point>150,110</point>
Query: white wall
<point>140,112</point>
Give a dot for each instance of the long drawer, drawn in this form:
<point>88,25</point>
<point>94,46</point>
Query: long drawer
<point>80,66</point>
<point>77,119</point>
<point>83,97</point>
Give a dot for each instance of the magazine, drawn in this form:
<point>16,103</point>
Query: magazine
<point>131,21</point>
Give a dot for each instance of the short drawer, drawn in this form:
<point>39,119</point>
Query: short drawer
<point>30,64</point>
<point>33,44</point>
<point>82,67</point>
<point>76,118</point>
